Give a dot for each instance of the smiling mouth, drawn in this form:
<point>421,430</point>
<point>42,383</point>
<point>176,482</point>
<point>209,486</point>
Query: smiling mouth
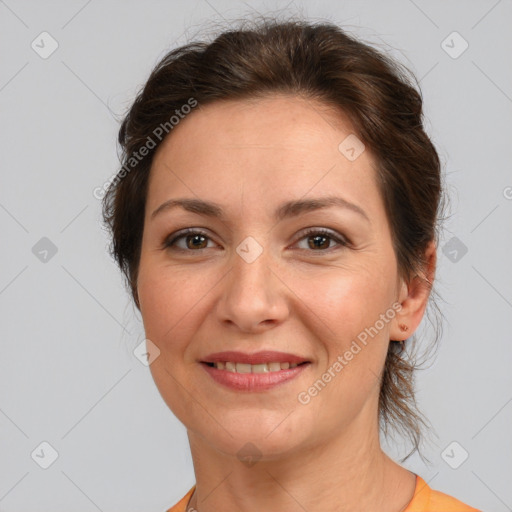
<point>271,367</point>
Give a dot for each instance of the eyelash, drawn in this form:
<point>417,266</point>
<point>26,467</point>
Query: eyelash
<point>172,239</point>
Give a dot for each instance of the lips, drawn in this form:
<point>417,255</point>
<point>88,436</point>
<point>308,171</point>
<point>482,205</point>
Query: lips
<point>256,372</point>
<point>264,356</point>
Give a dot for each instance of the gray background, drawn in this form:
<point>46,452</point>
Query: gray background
<point>68,375</point>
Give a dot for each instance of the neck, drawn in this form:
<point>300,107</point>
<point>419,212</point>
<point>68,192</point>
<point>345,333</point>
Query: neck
<point>339,475</point>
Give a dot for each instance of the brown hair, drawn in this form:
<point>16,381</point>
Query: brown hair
<point>317,61</point>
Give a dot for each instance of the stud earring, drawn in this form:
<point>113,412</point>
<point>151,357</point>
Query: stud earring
<point>403,327</point>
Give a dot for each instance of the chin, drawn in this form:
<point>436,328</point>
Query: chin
<point>249,449</point>
<point>255,436</point>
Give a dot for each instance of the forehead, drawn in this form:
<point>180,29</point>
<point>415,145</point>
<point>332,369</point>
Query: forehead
<point>277,147</point>
<point>280,119</point>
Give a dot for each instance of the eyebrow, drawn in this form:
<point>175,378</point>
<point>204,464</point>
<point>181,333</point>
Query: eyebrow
<point>286,210</point>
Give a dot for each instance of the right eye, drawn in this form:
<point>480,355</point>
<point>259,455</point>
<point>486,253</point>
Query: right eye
<point>194,240</point>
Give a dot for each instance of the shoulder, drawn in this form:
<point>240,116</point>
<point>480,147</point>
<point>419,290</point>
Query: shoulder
<point>427,499</point>
<point>441,501</point>
<point>181,506</point>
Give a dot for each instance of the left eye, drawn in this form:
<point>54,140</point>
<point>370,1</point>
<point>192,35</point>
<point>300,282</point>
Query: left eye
<point>320,240</point>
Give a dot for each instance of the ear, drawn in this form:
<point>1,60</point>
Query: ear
<point>413,297</point>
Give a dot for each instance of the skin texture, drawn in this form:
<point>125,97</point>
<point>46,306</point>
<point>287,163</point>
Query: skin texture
<point>249,157</point>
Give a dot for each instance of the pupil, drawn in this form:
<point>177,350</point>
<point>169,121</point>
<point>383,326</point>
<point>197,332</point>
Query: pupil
<point>317,238</point>
<point>195,239</point>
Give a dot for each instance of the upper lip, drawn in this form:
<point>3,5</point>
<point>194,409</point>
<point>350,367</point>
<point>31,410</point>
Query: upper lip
<point>264,356</point>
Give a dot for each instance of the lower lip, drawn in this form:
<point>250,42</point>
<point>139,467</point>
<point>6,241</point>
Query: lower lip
<point>253,381</point>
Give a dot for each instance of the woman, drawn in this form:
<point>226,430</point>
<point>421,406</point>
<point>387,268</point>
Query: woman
<point>275,218</point>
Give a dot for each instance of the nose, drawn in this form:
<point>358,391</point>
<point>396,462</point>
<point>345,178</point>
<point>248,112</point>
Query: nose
<point>252,296</point>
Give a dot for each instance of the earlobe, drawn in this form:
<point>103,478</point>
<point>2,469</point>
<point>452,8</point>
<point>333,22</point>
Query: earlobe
<point>403,327</point>
<point>414,298</point>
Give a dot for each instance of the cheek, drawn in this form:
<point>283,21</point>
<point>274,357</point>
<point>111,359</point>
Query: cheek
<point>350,303</point>
<point>163,303</point>
<point>347,299</point>
<point>171,299</point>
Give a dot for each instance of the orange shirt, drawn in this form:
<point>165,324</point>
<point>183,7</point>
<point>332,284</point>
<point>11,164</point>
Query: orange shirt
<point>425,499</point>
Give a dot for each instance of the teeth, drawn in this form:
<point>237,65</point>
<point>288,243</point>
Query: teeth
<point>253,368</point>
<point>243,368</point>
<point>258,368</point>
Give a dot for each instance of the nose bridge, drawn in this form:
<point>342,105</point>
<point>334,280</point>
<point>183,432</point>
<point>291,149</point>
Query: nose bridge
<point>250,269</point>
<point>251,295</point>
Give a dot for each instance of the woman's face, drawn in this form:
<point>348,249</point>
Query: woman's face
<point>254,280</point>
